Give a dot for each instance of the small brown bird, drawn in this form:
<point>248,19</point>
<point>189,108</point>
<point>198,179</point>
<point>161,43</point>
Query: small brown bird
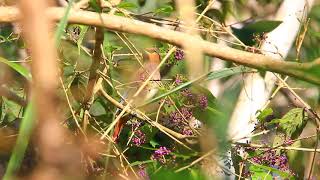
<point>151,60</point>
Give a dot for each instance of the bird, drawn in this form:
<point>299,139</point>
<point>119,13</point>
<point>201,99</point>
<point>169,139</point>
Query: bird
<point>151,59</point>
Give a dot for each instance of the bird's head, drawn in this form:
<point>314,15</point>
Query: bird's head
<point>152,55</point>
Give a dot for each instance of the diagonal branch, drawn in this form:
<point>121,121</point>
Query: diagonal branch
<point>303,71</point>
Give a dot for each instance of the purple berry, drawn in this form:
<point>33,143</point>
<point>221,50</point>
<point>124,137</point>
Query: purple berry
<point>139,138</point>
<point>143,173</point>
<point>187,131</point>
<point>179,54</point>
<point>203,102</point>
<point>178,80</point>
<point>160,153</point>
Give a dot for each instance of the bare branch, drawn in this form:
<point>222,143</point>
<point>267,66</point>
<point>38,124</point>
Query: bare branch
<point>302,71</point>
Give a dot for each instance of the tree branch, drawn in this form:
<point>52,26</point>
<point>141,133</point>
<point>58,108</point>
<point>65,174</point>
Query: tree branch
<point>303,71</point>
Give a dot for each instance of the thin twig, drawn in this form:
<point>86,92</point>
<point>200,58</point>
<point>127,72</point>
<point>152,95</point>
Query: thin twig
<point>196,161</point>
<point>70,107</point>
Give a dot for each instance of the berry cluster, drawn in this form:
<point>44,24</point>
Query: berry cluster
<point>179,54</point>
<point>179,79</point>
<point>200,99</point>
<point>179,120</point>
<point>187,93</point>
<point>142,172</point>
<point>139,138</point>
<point>187,131</point>
<point>203,101</point>
<point>160,154</point>
<point>177,117</point>
<point>272,159</point>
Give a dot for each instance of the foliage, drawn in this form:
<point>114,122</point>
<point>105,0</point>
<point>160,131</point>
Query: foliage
<point>292,121</point>
<point>249,31</point>
<point>182,127</point>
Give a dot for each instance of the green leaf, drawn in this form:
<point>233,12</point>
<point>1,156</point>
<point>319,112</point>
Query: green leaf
<point>108,44</point>
<point>127,5</point>
<point>149,131</point>
<point>259,173</point>
<point>26,127</point>
<point>97,109</point>
<point>94,4</point>
<point>246,33</point>
<point>264,172</point>
<point>227,72</point>
<point>292,121</point>
<point>17,67</point>
<point>111,48</point>
<point>262,26</point>
<point>11,108</point>
<point>210,76</point>
<point>166,9</point>
<point>265,113</point>
<point>136,163</point>
<point>154,143</point>
<point>11,111</point>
